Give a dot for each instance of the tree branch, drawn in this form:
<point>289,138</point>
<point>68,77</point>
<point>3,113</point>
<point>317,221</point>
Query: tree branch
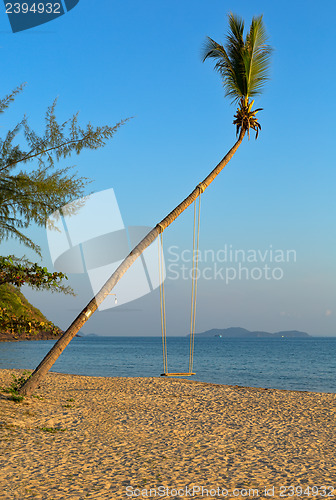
<point>29,155</point>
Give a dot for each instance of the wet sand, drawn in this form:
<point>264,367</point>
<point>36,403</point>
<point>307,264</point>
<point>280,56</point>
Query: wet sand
<point>117,438</point>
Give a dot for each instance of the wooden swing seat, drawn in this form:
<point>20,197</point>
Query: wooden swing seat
<point>177,374</point>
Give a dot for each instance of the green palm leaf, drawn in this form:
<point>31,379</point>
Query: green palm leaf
<point>256,57</point>
<point>243,63</point>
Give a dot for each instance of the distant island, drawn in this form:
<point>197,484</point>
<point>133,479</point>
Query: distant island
<point>240,333</point>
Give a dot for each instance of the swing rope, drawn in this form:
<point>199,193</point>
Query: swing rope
<point>194,283</point>
<point>196,232</point>
<point>163,306</point>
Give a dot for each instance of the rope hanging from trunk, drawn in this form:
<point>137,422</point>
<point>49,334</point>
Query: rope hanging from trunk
<point>196,232</point>
<point>163,305</point>
<point>194,283</point>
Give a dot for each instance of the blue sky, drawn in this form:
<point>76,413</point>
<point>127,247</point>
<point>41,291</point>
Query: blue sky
<point>114,60</point>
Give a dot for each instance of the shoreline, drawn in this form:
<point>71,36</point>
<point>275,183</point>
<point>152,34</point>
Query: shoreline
<point>8,337</point>
<point>158,377</point>
<point>92,437</point>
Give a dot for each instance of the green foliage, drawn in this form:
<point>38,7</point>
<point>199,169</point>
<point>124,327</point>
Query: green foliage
<point>16,385</point>
<point>19,272</point>
<point>52,430</point>
<point>242,64</point>
<point>12,299</point>
<point>18,317</point>
<point>31,195</point>
<point>17,398</point>
<point>22,324</point>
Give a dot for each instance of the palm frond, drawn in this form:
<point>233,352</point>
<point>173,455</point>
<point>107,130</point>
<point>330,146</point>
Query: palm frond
<point>242,64</point>
<point>223,65</point>
<point>235,49</point>
<point>256,57</point>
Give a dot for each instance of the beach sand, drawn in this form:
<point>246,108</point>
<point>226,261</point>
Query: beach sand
<point>113,433</point>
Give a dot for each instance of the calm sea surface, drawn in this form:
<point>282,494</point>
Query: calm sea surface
<point>297,364</point>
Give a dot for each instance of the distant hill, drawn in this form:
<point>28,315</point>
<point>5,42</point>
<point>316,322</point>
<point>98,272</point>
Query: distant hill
<point>239,333</point>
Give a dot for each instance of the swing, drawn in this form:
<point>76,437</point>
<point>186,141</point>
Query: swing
<point>166,373</point>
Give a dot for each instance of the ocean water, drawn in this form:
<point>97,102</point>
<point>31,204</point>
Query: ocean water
<point>295,364</point>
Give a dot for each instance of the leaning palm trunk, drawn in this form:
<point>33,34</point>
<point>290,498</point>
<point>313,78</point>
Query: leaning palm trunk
<point>77,324</point>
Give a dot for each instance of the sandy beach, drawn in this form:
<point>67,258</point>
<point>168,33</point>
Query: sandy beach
<point>116,438</point>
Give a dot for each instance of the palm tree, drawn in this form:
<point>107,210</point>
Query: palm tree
<point>243,66</point>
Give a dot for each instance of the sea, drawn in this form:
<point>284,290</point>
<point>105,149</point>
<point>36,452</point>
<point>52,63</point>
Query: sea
<point>307,364</point>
